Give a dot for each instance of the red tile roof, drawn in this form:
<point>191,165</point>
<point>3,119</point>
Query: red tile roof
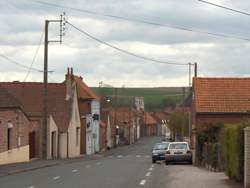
<point>149,119</point>
<point>8,100</point>
<point>222,95</point>
<point>30,95</point>
<point>83,91</point>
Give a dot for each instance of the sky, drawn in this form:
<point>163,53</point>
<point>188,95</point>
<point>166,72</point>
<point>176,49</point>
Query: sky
<point>22,28</point>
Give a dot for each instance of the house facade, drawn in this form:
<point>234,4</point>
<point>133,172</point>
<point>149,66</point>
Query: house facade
<point>14,130</point>
<point>218,100</point>
<point>89,113</point>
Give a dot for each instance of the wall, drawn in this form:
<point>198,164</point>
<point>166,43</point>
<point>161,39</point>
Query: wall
<point>51,128</point>
<point>19,148</point>
<point>75,123</point>
<point>16,155</point>
<point>95,109</point>
<point>63,145</point>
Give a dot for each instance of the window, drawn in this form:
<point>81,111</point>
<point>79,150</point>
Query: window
<point>9,134</point>
<point>9,139</point>
<point>77,136</point>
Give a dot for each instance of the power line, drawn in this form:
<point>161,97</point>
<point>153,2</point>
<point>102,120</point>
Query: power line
<point>122,50</point>
<point>146,22</point>
<point>34,58</point>
<point>227,8</point>
<point>19,64</point>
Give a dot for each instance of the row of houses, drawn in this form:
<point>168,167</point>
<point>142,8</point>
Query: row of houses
<point>76,123</point>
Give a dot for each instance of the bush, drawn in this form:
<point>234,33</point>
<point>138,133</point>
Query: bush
<point>234,151</point>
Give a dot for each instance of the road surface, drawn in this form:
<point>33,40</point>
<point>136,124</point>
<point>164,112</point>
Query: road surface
<point>125,167</point>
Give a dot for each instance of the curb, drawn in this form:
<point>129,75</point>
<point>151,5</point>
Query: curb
<point>27,169</point>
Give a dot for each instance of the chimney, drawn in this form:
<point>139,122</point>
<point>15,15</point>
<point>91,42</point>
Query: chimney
<point>80,77</point>
<point>71,71</point>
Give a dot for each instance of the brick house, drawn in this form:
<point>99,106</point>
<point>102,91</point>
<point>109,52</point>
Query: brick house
<point>218,100</point>
<point>14,130</point>
<point>63,129</point>
<point>102,136</point>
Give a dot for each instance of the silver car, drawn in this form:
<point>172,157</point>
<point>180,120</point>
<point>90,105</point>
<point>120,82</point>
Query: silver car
<point>178,152</point>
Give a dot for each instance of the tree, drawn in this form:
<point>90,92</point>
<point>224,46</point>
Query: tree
<point>179,123</point>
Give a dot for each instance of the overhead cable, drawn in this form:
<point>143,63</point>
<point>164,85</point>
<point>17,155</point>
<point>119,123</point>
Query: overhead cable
<point>147,22</point>
<point>34,57</point>
<point>19,64</point>
<point>227,8</point>
<point>122,50</point>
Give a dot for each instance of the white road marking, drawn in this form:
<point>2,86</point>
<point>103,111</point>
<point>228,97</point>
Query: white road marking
<point>119,156</point>
<point>138,156</point>
<point>152,165</point>
<point>150,169</point>
<point>56,177</point>
<point>142,182</point>
<point>75,170</point>
<point>148,174</point>
<point>98,163</point>
<point>88,166</point>
<point>32,186</point>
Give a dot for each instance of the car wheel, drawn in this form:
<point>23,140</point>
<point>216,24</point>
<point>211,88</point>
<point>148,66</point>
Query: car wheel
<point>153,161</point>
<point>191,162</point>
<point>166,162</point>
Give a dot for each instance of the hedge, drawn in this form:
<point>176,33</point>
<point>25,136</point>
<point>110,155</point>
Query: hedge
<point>233,150</point>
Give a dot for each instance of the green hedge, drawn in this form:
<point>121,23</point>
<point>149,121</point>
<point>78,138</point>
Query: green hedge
<point>234,150</point>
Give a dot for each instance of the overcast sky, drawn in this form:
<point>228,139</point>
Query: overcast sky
<point>22,25</point>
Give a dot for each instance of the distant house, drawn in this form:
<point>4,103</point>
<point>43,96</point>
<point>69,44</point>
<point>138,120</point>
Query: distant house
<point>219,100</point>
<point>150,124</point>
<point>162,119</point>
<point>102,136</point>
<point>14,130</point>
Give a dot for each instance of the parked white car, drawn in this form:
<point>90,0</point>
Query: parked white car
<point>178,152</point>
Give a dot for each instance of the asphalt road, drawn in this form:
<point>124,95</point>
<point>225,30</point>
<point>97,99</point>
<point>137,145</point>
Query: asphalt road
<point>125,167</point>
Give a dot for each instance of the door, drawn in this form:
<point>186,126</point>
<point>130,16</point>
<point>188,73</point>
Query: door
<point>32,143</point>
<point>53,144</point>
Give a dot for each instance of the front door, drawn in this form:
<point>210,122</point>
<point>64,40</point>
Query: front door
<point>32,144</point>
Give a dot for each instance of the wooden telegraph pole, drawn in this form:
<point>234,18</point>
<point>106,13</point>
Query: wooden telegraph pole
<point>62,22</point>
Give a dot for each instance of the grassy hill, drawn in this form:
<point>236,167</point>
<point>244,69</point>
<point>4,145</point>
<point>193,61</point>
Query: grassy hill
<point>154,98</point>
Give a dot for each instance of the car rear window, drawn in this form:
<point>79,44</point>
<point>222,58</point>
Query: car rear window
<point>161,146</point>
<point>178,146</point>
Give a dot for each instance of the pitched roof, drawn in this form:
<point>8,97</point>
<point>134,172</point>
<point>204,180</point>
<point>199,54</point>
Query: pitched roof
<point>149,119</point>
<point>159,116</point>
<point>83,91</point>
<point>222,95</point>
<point>7,100</point>
<point>30,95</point>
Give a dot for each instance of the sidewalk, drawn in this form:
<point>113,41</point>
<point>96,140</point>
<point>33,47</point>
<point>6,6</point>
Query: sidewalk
<point>9,169</point>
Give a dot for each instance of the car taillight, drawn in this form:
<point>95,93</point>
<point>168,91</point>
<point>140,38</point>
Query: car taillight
<point>167,152</point>
<point>188,151</point>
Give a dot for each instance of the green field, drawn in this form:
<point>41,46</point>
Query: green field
<point>154,98</point>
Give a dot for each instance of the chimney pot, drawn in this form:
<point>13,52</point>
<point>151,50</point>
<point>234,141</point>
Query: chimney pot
<point>71,71</point>
<point>68,70</point>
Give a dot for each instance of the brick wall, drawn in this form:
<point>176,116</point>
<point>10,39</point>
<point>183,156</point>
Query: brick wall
<point>20,128</point>
<point>204,121</point>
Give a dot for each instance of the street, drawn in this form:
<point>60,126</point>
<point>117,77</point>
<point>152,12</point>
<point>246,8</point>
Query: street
<point>128,166</point>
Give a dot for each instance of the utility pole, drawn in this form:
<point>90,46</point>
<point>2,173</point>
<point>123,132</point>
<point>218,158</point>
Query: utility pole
<point>62,22</point>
